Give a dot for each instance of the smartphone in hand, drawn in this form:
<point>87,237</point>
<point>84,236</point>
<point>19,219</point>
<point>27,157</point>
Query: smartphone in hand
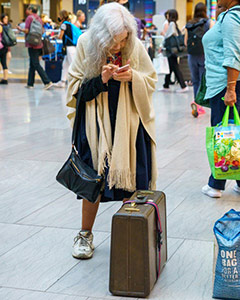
<point>123,69</point>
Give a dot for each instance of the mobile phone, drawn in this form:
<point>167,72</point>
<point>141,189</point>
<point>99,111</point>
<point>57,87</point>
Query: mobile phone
<point>123,69</point>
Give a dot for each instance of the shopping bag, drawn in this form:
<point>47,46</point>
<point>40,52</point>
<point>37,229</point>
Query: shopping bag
<point>161,65</point>
<point>226,267</point>
<point>200,98</point>
<point>223,147</point>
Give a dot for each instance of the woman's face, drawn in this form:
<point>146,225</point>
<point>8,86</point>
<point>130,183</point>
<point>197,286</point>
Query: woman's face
<point>5,20</point>
<point>119,42</point>
<point>82,18</point>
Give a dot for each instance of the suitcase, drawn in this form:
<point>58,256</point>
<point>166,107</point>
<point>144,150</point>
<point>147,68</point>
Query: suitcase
<point>54,69</point>
<point>135,261</point>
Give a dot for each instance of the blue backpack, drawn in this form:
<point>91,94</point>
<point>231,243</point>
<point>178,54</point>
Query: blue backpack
<point>76,32</point>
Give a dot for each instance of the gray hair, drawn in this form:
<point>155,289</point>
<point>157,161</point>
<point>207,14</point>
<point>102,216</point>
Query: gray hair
<point>110,20</point>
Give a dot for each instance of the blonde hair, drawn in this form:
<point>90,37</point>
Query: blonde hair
<point>110,20</point>
<point>79,13</point>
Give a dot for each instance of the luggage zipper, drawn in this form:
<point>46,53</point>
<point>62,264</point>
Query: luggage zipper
<point>83,175</point>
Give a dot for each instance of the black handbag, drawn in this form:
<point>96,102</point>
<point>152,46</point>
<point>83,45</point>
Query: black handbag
<point>174,45</point>
<point>76,175</point>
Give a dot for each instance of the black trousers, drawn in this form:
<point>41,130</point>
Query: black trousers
<point>35,66</point>
<point>174,67</point>
<point>3,57</point>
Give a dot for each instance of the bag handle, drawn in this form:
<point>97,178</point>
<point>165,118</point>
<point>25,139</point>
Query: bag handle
<point>76,120</point>
<point>226,116</point>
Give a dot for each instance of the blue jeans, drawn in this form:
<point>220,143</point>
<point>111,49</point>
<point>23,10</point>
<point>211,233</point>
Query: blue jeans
<point>35,66</point>
<point>197,67</point>
<point>217,111</point>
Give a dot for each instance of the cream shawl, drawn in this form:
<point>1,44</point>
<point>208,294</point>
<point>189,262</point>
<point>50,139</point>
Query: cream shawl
<point>134,105</point>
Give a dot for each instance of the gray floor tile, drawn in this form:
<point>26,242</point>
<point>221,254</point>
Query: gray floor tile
<point>79,281</point>
<point>24,199</point>
<point>188,274</point>
<point>14,294</point>
<point>172,246</point>
<point>166,177</point>
<point>12,235</point>
<point>65,212</point>
<point>194,218</point>
<point>41,260</point>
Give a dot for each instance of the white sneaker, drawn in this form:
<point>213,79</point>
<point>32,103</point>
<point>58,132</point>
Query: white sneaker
<point>60,84</point>
<point>237,189</point>
<point>48,86</point>
<point>211,192</point>
<point>184,90</point>
<point>83,245</point>
<point>165,90</point>
<point>10,72</point>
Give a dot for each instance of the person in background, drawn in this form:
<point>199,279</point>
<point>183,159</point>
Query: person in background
<point>222,61</point>
<point>46,22</point>
<point>5,22</point>
<point>3,53</point>
<point>22,24</point>
<point>72,17</point>
<point>69,49</point>
<point>34,51</point>
<point>80,20</point>
<point>172,59</point>
<point>165,24</point>
<point>123,149</point>
<point>196,60</point>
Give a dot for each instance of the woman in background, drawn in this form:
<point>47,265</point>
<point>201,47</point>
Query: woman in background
<point>173,59</point>
<point>196,61</point>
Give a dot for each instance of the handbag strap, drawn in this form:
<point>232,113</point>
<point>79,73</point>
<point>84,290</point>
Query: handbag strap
<point>159,229</point>
<point>76,120</point>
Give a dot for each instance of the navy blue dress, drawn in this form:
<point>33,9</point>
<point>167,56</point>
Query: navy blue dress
<point>88,91</point>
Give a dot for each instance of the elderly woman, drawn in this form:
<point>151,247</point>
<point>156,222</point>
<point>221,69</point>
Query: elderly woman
<point>117,127</point>
<point>222,61</point>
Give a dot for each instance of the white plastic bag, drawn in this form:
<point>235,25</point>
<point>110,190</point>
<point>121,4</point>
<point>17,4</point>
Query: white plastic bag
<point>161,65</point>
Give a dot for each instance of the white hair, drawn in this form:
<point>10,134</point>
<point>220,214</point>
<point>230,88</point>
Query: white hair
<point>110,20</point>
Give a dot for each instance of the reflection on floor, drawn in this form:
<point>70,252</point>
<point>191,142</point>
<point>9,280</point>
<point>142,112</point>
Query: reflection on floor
<point>39,218</point>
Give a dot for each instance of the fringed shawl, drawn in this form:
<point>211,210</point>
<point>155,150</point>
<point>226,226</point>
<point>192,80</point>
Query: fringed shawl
<point>134,104</point>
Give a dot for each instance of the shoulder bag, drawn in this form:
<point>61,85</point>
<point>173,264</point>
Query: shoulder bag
<point>75,174</point>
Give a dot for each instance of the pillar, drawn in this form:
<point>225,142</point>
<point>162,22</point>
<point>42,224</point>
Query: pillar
<point>17,13</point>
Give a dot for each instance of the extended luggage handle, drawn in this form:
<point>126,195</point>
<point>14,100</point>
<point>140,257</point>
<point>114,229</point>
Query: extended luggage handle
<point>145,200</point>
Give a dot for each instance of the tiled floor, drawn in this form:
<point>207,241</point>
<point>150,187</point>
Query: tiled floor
<point>39,218</point>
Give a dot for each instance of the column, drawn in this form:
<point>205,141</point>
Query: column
<point>46,7</point>
<point>67,5</point>
<point>17,13</point>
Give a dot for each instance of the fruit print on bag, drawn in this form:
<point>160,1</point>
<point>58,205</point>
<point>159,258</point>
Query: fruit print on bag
<point>227,150</point>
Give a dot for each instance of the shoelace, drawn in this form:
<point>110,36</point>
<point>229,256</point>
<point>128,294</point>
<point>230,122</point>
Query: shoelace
<point>83,240</point>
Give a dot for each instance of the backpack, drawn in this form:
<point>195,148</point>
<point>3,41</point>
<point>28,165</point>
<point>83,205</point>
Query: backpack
<point>195,34</point>
<point>34,36</point>
<point>76,32</point>
<point>8,37</point>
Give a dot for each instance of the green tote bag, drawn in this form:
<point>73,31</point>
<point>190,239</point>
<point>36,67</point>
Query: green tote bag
<point>223,147</point>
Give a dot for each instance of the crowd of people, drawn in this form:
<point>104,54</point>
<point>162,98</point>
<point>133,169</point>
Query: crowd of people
<point>117,138</point>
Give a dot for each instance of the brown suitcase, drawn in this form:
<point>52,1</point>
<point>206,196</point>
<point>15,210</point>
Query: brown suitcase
<point>134,260</point>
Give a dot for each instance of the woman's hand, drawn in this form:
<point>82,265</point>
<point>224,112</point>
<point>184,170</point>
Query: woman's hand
<point>123,76</point>
<point>230,97</point>
<point>108,71</point>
